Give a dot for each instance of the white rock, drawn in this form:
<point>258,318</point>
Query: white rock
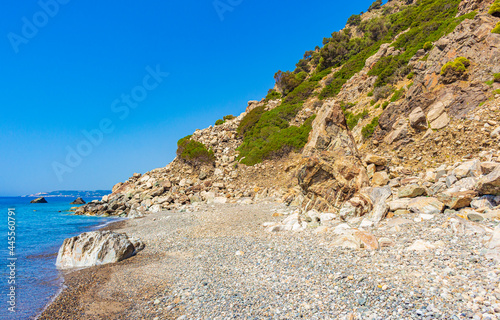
<point>96,248</point>
<point>327,216</point>
<point>421,245</point>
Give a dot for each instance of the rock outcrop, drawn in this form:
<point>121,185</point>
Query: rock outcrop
<point>96,248</point>
<point>78,201</point>
<point>39,200</point>
<point>333,171</point>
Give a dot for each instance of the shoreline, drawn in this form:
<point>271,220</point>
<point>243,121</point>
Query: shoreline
<point>65,280</point>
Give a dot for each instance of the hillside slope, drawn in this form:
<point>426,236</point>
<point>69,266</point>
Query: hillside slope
<point>416,83</point>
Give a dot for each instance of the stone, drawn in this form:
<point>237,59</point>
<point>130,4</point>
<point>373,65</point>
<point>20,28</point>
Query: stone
<point>490,183</point>
<point>78,201</point>
<point>421,245</point>
<point>468,183</point>
<point>385,242</point>
<point>425,205</point>
<point>356,239</point>
<point>475,217</point>
<point>488,166</point>
<point>450,180</point>
<point>468,169</point>
<point>442,121</point>
<point>155,208</point>
<point>399,204</point>
<point>411,191</point>
<point>380,179</point>
<point>376,160</point>
<point>378,197</point>
<point>397,134</point>
<point>327,216</point>
<point>371,169</point>
<point>96,248</point>
<point>417,119</point>
<point>435,110</point>
<point>39,200</point>
<point>493,245</point>
<point>456,199</point>
<point>483,202</point>
<point>134,214</point>
<point>495,133</point>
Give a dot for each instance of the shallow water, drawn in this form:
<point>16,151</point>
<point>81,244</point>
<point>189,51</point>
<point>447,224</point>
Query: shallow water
<point>40,229</point>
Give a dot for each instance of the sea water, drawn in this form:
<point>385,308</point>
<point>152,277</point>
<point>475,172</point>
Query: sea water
<point>40,230</point>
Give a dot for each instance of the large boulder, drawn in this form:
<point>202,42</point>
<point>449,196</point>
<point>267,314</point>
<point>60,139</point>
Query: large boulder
<point>332,172</point>
<point>39,200</point>
<point>78,201</point>
<point>456,199</point>
<point>490,183</point>
<point>425,205</point>
<point>96,248</point>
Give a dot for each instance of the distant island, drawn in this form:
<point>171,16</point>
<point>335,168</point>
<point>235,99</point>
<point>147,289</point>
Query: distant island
<point>72,194</point>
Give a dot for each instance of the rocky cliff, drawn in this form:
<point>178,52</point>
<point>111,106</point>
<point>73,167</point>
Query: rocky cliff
<point>399,111</point>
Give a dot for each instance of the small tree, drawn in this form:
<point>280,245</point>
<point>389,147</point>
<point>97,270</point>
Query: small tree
<point>375,5</point>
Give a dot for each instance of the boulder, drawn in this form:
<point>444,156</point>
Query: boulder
<point>470,168</point>
<point>425,205</point>
<point>399,204</point>
<point>417,119</point>
<point>456,199</point>
<point>380,179</point>
<point>78,201</point>
<point>39,200</point>
<point>490,183</point>
<point>376,160</point>
<point>411,191</point>
<point>421,245</point>
<point>332,171</point>
<point>96,248</point>
<point>378,197</point>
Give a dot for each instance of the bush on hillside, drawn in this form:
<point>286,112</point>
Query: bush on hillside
<point>375,5</point>
<point>273,95</point>
<point>219,122</point>
<point>354,20</point>
<point>229,117</point>
<point>250,119</point>
<point>368,130</point>
<point>194,152</point>
<point>495,9</point>
<point>428,46</point>
<point>382,92</point>
<point>496,29</point>
<point>455,70</point>
<point>286,81</point>
<point>398,94</point>
<point>496,77</point>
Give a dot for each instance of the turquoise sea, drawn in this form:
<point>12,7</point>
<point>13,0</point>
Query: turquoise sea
<point>40,229</point>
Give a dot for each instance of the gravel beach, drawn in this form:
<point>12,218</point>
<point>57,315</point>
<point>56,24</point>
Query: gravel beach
<point>219,262</point>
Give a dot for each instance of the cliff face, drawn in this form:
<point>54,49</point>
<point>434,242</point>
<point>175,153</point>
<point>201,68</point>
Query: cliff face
<point>309,138</point>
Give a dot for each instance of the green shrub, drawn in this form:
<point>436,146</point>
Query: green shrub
<point>194,152</point>
<point>353,119</point>
<point>382,92</point>
<point>354,20</point>
<point>286,81</point>
<point>229,117</point>
<point>375,5</point>
<point>454,70</point>
<point>495,9</point>
<point>250,119</point>
<point>276,143</point>
<point>377,106</point>
<point>496,29</point>
<point>496,77</point>
<point>368,130</point>
<point>410,75</point>
<point>424,58</point>
<point>428,46</point>
<point>219,122</point>
<point>497,91</point>
<point>370,94</point>
<point>397,95</point>
<point>385,104</point>
<point>273,95</point>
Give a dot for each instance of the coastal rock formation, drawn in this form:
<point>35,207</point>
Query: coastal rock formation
<point>78,201</point>
<point>39,200</point>
<point>96,248</point>
<point>333,171</point>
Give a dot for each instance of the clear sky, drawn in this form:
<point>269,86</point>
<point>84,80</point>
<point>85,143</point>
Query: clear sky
<point>93,91</point>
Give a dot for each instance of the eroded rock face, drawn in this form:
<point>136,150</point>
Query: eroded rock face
<point>39,200</point>
<point>333,171</point>
<point>96,248</point>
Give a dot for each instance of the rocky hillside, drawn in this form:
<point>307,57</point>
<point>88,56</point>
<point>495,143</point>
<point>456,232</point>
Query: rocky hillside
<point>397,112</point>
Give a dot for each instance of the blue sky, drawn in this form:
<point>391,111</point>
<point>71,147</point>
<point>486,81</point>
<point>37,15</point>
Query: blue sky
<point>67,67</point>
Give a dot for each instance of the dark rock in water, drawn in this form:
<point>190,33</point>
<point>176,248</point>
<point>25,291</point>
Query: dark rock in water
<point>78,201</point>
<point>39,200</point>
